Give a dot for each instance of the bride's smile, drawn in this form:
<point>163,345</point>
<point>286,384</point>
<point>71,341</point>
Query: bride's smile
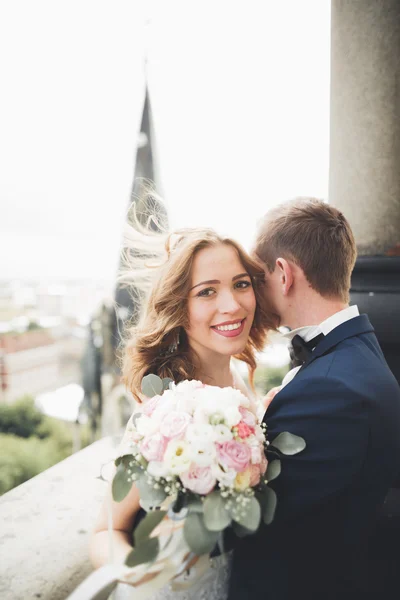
<point>230,328</point>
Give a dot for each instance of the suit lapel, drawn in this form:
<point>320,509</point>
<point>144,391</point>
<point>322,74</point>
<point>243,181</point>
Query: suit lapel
<point>351,328</point>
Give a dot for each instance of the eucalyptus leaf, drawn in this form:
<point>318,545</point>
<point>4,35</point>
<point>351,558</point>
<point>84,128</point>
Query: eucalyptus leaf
<point>240,530</point>
<point>146,552</point>
<point>121,484</point>
<point>199,539</point>
<point>135,417</point>
<point>166,381</point>
<point>269,505</point>
<point>124,459</point>
<point>249,517</point>
<point>273,470</point>
<point>216,517</point>
<point>152,385</point>
<point>147,525</point>
<point>149,497</point>
<point>195,505</point>
<point>288,443</point>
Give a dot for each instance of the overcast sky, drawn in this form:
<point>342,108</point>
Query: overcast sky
<point>240,95</point>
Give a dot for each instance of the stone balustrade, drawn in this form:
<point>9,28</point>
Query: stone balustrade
<point>45,525</point>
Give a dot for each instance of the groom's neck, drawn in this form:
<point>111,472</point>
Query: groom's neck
<point>311,311</point>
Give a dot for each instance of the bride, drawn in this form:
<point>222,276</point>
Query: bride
<point>204,307</point>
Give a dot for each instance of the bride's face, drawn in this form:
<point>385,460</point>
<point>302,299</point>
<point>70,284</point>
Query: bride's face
<point>221,302</point>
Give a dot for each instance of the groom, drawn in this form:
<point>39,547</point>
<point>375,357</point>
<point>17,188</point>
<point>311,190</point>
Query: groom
<point>342,399</point>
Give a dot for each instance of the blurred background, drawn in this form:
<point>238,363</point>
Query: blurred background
<point>225,113</point>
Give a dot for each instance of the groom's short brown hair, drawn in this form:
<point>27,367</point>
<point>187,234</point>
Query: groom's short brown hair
<point>316,237</point>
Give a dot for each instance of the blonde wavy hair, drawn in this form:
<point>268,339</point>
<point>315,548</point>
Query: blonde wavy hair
<point>159,265</point>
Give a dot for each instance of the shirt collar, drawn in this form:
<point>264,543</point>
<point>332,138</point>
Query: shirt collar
<point>310,331</point>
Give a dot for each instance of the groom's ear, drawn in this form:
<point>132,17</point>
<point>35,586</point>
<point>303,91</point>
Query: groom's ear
<point>285,273</point>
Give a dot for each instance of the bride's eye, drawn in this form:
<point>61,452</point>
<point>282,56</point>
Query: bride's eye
<point>242,285</point>
<point>206,293</point>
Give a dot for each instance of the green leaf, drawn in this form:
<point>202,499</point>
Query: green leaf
<point>125,459</point>
<point>166,381</point>
<point>152,385</point>
<point>273,470</point>
<point>199,539</point>
<point>135,417</point>
<point>249,517</point>
<point>149,497</point>
<point>269,505</point>
<point>216,517</point>
<point>146,552</point>
<point>121,484</point>
<point>240,530</point>
<point>288,443</point>
<point>147,525</point>
<point>195,505</point>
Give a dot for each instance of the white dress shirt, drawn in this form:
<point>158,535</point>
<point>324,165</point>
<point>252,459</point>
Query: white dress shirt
<point>311,331</point>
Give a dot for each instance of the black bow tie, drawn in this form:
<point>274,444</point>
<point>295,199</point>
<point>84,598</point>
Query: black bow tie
<point>300,350</point>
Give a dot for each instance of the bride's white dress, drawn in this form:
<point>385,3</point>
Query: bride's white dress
<point>213,584</point>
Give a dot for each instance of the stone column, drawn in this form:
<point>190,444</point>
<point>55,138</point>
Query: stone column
<point>364,178</point>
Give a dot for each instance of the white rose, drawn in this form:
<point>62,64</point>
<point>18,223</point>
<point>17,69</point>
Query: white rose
<point>234,397</point>
<point>167,405</point>
<point>224,475</point>
<point>232,416</point>
<point>244,400</point>
<point>188,386</point>
<point>200,417</point>
<point>146,426</point>
<point>199,431</point>
<point>157,469</point>
<point>259,433</point>
<point>185,394</point>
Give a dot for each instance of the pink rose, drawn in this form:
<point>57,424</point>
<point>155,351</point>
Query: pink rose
<point>234,455</point>
<point>247,416</point>
<point>153,447</point>
<point>255,475</point>
<point>264,463</point>
<point>244,430</point>
<point>199,480</point>
<point>174,424</point>
<point>150,405</point>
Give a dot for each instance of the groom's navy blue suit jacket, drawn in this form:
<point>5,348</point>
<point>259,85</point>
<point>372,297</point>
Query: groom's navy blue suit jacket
<point>345,403</point>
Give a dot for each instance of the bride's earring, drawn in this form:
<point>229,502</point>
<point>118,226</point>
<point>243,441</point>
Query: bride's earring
<point>172,348</point>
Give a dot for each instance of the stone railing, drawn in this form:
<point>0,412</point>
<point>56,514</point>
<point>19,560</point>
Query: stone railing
<point>45,525</point>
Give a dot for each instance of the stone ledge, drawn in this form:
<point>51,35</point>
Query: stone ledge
<point>45,525</point>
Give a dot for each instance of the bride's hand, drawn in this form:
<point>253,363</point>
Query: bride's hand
<point>270,396</point>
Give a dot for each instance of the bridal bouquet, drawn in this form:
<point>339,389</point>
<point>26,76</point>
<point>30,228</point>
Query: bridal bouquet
<point>197,454</point>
